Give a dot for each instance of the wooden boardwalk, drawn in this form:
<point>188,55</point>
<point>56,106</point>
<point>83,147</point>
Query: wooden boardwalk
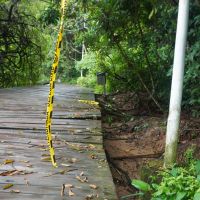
<point>24,160</point>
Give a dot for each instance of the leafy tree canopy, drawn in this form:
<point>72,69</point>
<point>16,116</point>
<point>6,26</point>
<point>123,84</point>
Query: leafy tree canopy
<point>133,41</point>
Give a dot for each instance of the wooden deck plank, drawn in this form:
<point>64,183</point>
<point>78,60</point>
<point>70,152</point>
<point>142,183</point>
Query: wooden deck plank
<point>77,140</point>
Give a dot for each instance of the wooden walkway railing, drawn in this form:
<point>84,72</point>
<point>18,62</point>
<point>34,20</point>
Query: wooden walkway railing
<point>25,170</point>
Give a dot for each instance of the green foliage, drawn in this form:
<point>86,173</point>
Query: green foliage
<point>176,183</point>
<point>192,73</point>
<point>88,63</point>
<point>27,43</point>
<point>122,35</point>
<point>86,81</point>
<point>141,185</point>
<point>134,43</point>
<point>189,154</point>
<point>89,66</point>
<point>50,15</point>
<point>109,120</point>
<point>197,196</point>
<point>179,183</point>
<point>22,43</point>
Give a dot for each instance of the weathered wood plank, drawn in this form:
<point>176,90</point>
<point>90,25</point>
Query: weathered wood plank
<point>77,140</point>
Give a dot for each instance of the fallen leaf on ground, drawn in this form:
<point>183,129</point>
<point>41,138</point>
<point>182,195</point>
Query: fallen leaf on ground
<point>62,190</point>
<point>93,156</point>
<point>9,172</point>
<point>70,192</point>
<point>43,149</point>
<point>14,172</point>
<point>69,186</point>
<point>66,165</point>
<point>15,191</point>
<point>45,155</point>
<point>7,186</point>
<point>25,172</point>
<point>91,146</point>
<point>82,173</point>
<point>93,186</point>
<point>46,159</point>
<point>8,161</point>
<point>82,180</point>
<point>90,102</point>
<point>61,172</point>
<point>24,161</point>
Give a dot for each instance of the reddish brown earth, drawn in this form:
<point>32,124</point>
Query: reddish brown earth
<point>139,140</point>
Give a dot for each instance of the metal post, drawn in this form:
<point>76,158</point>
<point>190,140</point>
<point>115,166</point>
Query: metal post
<point>177,84</point>
<point>101,80</point>
<point>82,56</point>
<point>104,89</point>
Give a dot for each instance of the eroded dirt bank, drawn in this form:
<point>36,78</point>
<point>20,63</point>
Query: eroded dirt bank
<point>135,138</point>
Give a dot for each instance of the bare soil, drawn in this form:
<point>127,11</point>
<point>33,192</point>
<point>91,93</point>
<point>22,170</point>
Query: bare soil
<point>134,137</point>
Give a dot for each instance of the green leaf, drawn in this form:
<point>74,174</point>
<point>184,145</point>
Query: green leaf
<point>196,196</point>
<point>151,14</point>
<point>180,195</point>
<point>174,172</point>
<point>141,185</point>
<point>198,178</point>
<point>154,186</point>
<point>198,166</point>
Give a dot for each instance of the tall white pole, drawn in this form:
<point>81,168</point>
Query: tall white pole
<point>177,84</point>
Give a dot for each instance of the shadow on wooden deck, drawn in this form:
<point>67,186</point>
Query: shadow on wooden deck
<point>77,141</point>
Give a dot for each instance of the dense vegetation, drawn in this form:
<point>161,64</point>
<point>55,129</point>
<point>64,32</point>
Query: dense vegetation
<point>132,41</point>
<point>21,43</point>
<point>176,183</point>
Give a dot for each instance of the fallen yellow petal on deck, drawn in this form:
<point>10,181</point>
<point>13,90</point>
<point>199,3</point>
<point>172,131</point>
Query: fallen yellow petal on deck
<point>90,102</point>
<point>7,186</point>
<point>7,161</point>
